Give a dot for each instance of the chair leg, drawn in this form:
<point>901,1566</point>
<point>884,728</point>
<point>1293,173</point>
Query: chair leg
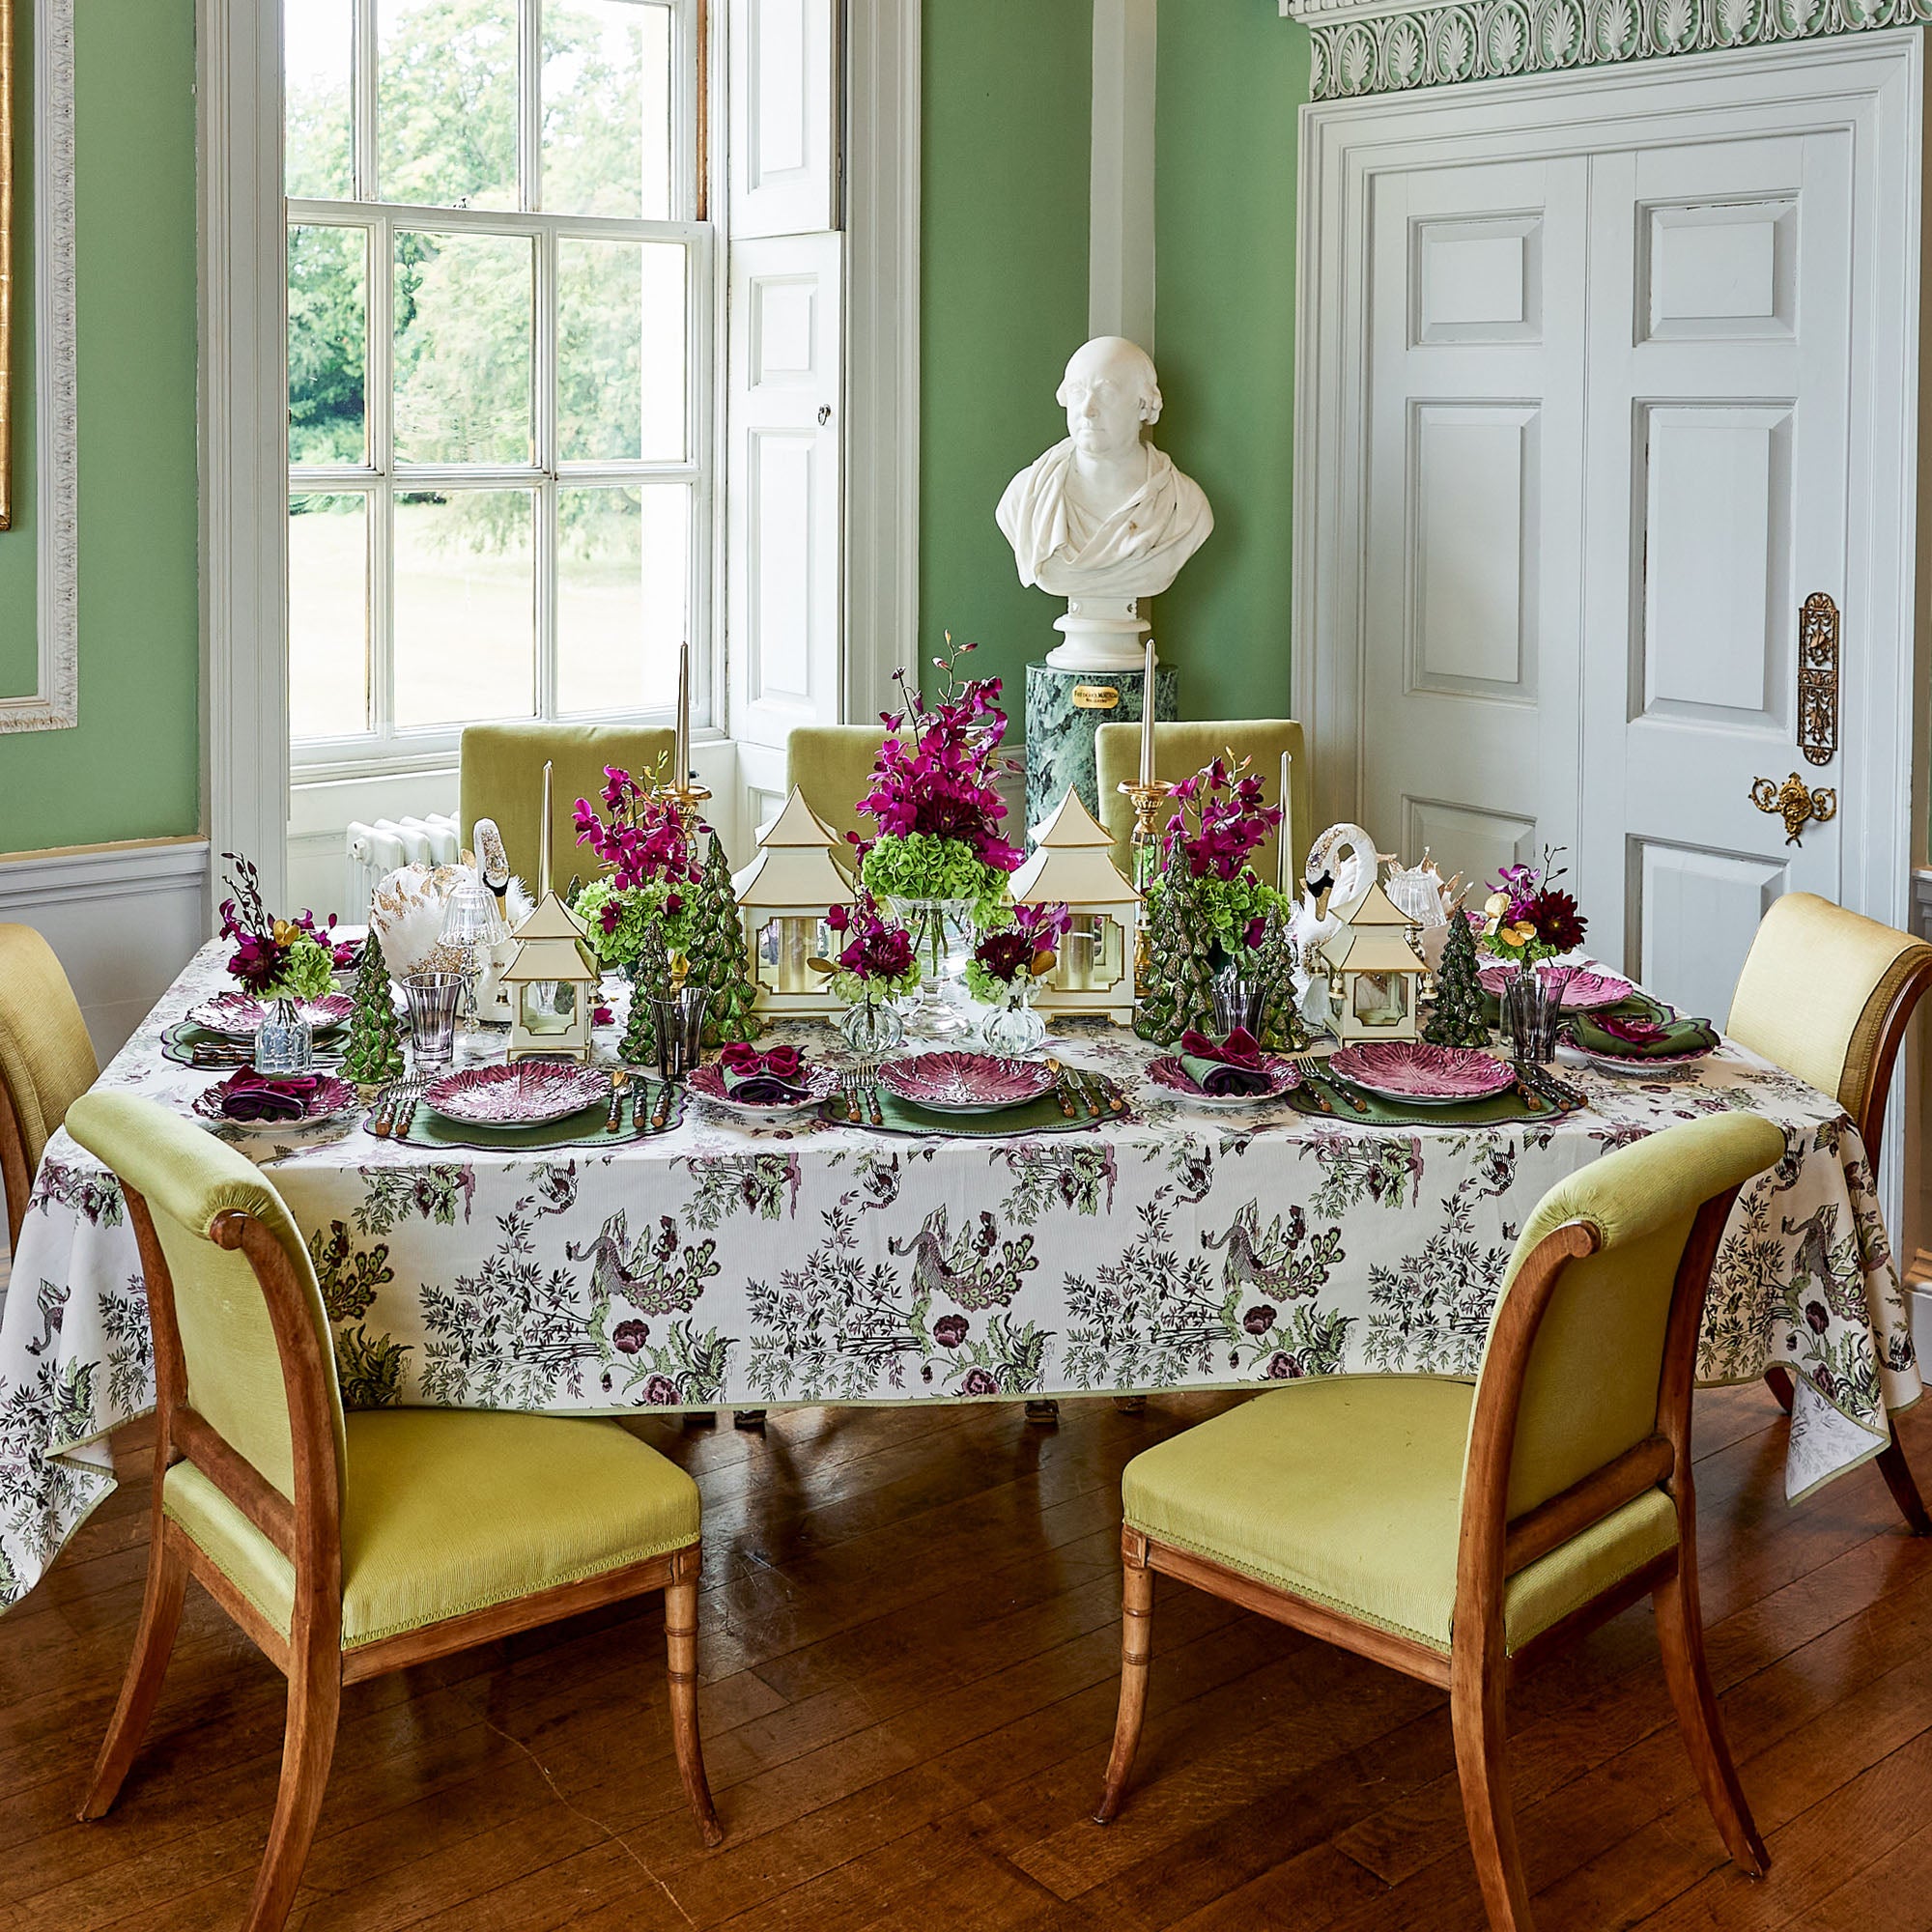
<point>681,1642</point>
<point>1898,1479</point>
<point>1680,1633</point>
<point>1136,1658</point>
<point>308,1744</point>
<point>1779,1382</point>
<point>1476,1716</point>
<point>154,1643</point>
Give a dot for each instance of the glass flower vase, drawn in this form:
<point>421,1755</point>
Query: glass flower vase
<point>942,941</point>
<point>1012,1030</point>
<point>1532,1009</point>
<point>872,1028</point>
<point>284,1042</point>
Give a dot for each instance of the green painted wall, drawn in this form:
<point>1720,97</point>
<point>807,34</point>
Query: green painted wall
<point>1232,75</point>
<point>131,767</point>
<point>1006,115</point>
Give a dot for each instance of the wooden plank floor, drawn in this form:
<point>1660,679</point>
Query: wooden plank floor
<point>909,1652</point>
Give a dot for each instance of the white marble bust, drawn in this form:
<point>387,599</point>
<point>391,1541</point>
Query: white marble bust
<point>1103,517</point>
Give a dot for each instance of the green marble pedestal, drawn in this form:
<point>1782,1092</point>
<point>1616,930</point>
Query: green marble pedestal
<point>1063,709</point>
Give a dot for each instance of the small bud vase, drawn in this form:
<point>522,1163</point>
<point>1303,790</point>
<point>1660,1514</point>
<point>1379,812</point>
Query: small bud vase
<point>284,1042</point>
<point>872,1028</point>
<point>1012,1030</point>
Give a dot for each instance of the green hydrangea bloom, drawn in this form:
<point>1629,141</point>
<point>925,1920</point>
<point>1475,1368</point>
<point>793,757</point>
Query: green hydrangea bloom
<point>309,972</point>
<point>916,865</point>
<point>637,907</point>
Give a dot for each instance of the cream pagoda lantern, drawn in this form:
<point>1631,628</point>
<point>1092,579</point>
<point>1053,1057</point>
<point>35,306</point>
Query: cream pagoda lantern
<point>1376,972</point>
<point>782,895</point>
<point>552,975</point>
<point>553,979</point>
<point>1073,860</point>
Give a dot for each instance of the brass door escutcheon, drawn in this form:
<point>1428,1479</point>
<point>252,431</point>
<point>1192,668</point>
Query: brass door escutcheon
<point>1818,678</point>
<point>1796,802</point>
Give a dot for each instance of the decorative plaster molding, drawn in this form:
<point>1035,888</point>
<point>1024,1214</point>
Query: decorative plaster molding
<point>1387,47</point>
<point>54,703</point>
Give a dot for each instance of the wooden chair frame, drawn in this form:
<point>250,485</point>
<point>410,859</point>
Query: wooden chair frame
<point>308,1532</point>
<point>1478,1669</point>
<point>17,1171</point>
<point>1869,1119</point>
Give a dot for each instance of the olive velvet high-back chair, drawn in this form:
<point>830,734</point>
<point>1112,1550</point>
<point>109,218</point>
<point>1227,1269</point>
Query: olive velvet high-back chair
<point>503,779</point>
<point>46,1061</point>
<point>346,1545</point>
<point>1458,1531</point>
<point>1183,748</point>
<point>1828,994</point>
<point>832,765</point>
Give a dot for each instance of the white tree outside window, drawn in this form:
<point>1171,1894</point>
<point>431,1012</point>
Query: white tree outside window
<point>500,297</point>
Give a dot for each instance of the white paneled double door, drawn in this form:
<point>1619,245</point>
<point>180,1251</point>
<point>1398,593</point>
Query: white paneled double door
<point>1622,409</point>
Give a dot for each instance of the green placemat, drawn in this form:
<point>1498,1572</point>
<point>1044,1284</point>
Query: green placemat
<point>583,1129</point>
<point>1499,1110</point>
<point>901,1116</point>
<point>181,1039</point>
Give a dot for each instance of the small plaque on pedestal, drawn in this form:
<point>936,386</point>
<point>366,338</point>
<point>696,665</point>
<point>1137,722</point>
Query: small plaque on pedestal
<point>1063,710</point>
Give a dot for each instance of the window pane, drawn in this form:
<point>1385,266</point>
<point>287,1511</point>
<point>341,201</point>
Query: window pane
<point>623,574</point>
<point>607,110</point>
<point>328,342</point>
<point>465,607</point>
<point>464,305</point>
<point>620,350</point>
<point>447,111</point>
<point>329,616</point>
<point>318,38</point>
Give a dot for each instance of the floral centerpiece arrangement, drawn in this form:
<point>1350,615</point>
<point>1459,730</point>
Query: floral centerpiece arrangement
<point>1218,826</point>
<point>277,958</point>
<point>1528,918</point>
<point>1020,951</point>
<point>649,872</point>
<point>875,964</point>
<point>1007,964</point>
<point>935,799</point>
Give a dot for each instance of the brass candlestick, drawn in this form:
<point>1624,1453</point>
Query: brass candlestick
<point>1147,801</point>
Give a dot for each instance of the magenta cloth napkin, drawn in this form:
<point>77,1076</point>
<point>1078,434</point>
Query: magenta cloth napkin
<point>248,1095</point>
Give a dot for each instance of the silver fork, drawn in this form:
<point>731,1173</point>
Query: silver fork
<point>867,1072</point>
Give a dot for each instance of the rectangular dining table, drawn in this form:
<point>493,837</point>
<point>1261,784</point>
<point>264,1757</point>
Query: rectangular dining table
<point>1174,1247</point>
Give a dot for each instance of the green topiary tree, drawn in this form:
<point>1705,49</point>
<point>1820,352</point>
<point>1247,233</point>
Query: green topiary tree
<point>649,974</point>
<point>1180,969</point>
<point>719,961</point>
<point>1283,1029</point>
<point>374,1054</point>
<point>1457,1018</point>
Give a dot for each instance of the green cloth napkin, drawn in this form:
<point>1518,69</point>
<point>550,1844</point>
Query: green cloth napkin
<point>1671,1037</point>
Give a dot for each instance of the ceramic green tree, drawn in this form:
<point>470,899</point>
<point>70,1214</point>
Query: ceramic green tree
<point>375,1050</point>
<point>1458,1019</point>
<point>1283,1029</point>
<point>650,972</point>
<point>1155,1010</point>
<point>719,961</point>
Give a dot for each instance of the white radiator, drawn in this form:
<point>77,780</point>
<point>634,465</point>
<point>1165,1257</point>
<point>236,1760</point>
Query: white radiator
<point>372,851</point>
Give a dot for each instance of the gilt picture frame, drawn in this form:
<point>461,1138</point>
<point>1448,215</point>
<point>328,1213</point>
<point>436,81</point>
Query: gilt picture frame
<point>39,365</point>
<point>7,87</point>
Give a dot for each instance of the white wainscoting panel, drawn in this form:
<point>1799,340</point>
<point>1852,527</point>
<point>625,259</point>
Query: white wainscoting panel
<point>124,920</point>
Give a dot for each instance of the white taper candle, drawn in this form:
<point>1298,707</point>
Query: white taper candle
<point>1147,715</point>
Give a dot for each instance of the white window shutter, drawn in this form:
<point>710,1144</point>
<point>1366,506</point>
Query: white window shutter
<point>783,488</point>
<point>784,117</point>
<point>785,404</point>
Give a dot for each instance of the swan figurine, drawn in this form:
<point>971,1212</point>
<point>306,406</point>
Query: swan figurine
<point>1342,868</point>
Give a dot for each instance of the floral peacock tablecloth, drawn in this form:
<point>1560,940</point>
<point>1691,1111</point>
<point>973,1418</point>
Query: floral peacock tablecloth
<point>717,1265</point>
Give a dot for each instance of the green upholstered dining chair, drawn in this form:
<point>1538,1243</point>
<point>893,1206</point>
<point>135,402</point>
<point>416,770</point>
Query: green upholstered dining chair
<point>832,765</point>
<point>1181,749</point>
<point>1828,994</point>
<point>503,779</point>
<point>1455,1530</point>
<point>346,1545</point>
<point>46,1061</point>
